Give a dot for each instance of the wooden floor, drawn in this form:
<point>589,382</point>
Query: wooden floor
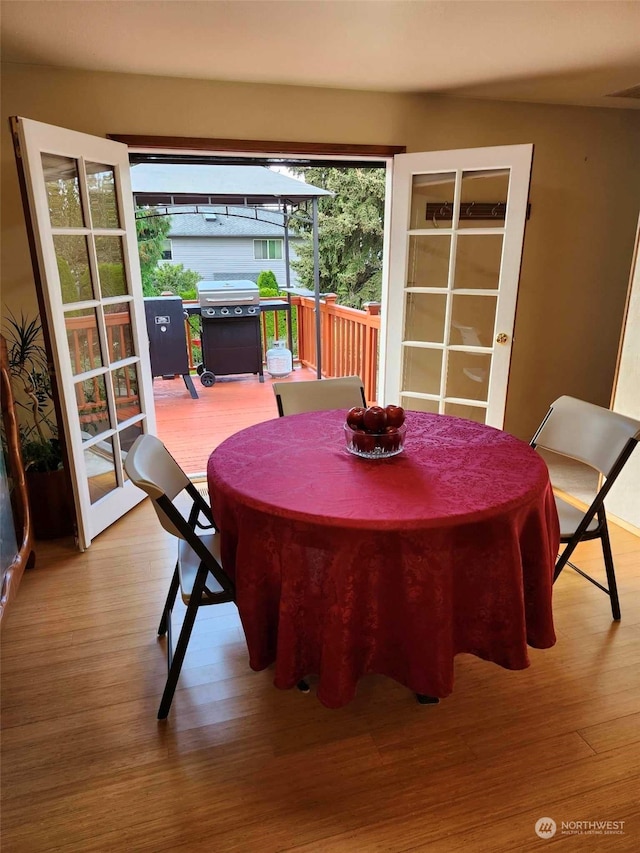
<point>191,429</point>
<point>241,766</point>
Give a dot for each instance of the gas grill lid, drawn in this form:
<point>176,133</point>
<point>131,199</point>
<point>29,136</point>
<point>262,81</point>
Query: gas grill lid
<point>239,292</point>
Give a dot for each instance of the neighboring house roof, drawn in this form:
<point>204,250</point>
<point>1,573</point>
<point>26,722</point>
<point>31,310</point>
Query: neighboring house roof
<point>216,223</point>
<point>239,183</point>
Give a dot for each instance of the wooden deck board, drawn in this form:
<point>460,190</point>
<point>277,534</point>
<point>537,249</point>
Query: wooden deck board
<point>191,429</point>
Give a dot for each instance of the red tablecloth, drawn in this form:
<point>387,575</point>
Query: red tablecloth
<point>345,566</point>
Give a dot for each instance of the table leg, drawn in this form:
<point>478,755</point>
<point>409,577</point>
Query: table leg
<point>426,700</point>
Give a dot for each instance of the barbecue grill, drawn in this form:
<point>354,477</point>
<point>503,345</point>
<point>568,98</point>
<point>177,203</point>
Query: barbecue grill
<point>231,342</point>
<point>168,339</point>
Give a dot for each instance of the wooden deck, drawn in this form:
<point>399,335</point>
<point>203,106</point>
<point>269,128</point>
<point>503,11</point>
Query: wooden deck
<point>191,429</point>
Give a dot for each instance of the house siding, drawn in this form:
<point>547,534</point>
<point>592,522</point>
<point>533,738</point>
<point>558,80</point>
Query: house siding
<point>227,257</point>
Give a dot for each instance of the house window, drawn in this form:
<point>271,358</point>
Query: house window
<point>267,250</point>
<point>166,251</point>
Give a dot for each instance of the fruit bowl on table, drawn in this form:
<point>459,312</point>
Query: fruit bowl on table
<point>374,432</point>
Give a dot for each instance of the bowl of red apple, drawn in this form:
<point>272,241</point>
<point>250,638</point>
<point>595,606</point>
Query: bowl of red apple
<point>375,432</point>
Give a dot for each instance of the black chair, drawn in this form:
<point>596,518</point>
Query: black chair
<point>198,571</point>
<point>317,395</point>
<point>603,440</point>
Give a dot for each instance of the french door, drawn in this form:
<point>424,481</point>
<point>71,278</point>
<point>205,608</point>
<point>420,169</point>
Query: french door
<point>457,229</point>
<point>81,208</point>
<point>456,234</point>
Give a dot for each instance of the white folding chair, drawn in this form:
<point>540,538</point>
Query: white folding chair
<point>319,394</point>
<point>198,571</point>
<point>604,440</point>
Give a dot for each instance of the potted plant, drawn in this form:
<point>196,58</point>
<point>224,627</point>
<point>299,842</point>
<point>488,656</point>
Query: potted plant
<point>49,497</point>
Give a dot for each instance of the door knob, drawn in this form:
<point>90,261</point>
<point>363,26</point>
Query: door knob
<point>502,338</point>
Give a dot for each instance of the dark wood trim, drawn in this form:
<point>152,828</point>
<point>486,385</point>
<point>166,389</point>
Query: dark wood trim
<point>195,143</point>
<point>24,557</point>
<point>479,210</point>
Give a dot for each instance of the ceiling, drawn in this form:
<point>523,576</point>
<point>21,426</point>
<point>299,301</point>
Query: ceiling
<point>552,51</point>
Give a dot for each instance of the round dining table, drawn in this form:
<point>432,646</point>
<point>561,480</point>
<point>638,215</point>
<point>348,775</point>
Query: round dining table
<point>345,566</point>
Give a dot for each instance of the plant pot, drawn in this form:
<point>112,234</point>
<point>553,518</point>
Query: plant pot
<point>51,504</point>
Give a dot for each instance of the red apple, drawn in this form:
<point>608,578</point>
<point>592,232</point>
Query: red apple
<point>363,442</point>
<point>375,419</point>
<point>355,417</point>
<point>390,440</point>
<point>395,415</point>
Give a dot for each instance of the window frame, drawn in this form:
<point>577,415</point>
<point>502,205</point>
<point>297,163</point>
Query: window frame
<point>277,243</point>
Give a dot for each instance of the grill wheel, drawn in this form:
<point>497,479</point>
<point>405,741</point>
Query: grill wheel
<point>208,378</point>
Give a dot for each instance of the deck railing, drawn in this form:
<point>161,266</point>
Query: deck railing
<point>349,341</point>
<point>84,349</point>
<point>349,337</point>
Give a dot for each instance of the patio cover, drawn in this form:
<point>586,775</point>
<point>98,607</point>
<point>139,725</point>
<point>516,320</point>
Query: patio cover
<point>168,184</point>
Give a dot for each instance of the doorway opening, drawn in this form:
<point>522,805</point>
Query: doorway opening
<point>330,309</point>
<point>455,247</point>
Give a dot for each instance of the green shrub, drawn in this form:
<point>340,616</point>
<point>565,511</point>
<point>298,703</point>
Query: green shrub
<point>267,283</point>
<point>268,287</point>
<point>177,279</point>
<point>112,281</point>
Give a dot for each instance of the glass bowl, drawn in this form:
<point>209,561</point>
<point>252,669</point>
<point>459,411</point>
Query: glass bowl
<point>371,445</point>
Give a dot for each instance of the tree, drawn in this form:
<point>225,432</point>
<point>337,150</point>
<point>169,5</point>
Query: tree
<point>152,230</point>
<point>63,197</point>
<point>350,226</point>
<point>68,285</point>
<point>112,282</point>
<point>177,279</point>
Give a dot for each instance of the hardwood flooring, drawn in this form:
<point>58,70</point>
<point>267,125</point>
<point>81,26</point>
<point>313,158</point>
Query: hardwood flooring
<point>241,766</point>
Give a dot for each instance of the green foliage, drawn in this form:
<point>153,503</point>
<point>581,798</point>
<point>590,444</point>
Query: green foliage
<point>267,283</point>
<point>33,397</point>
<point>268,286</point>
<point>41,455</point>
<point>350,226</point>
<point>70,291</point>
<point>175,278</point>
<point>63,201</point>
<point>152,230</point>
<point>112,282</point>
<point>182,282</point>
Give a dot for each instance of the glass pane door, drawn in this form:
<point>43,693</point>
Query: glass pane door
<point>82,210</point>
<point>456,240</point>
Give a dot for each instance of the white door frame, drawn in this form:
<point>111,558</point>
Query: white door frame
<point>34,139</point>
<point>517,158</point>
